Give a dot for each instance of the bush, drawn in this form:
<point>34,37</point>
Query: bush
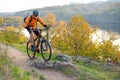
<point>75,39</point>
<point>11,35</point>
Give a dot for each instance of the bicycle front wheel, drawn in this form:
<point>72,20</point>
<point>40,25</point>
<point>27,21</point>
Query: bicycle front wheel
<point>30,53</point>
<point>46,51</point>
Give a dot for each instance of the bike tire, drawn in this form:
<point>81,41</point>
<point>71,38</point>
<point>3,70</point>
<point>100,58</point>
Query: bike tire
<point>46,54</point>
<point>31,54</point>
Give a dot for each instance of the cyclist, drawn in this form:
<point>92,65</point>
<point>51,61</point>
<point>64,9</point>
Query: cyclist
<point>30,22</point>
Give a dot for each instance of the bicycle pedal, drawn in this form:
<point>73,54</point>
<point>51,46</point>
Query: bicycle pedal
<point>37,50</point>
<point>33,48</point>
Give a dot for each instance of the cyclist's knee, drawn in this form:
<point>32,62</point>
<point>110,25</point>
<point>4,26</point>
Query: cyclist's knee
<point>32,34</point>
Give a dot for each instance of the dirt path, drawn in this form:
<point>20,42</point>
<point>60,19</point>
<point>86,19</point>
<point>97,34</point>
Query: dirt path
<point>23,62</point>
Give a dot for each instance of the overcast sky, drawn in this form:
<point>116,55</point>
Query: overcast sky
<point>19,5</point>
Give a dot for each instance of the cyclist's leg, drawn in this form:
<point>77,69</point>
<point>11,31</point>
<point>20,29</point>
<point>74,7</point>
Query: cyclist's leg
<point>32,39</point>
<point>38,40</point>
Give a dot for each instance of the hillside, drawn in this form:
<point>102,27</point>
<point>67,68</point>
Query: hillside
<point>105,15</point>
<point>19,67</point>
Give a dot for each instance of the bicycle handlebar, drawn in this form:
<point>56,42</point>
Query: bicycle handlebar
<point>46,28</point>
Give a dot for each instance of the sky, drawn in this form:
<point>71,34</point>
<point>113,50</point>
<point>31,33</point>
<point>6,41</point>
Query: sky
<point>19,5</point>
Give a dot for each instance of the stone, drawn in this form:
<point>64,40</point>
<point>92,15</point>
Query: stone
<point>81,58</point>
<point>64,58</point>
<point>51,65</point>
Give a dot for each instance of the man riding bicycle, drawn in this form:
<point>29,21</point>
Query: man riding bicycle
<point>30,24</point>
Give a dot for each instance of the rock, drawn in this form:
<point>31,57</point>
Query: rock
<point>83,59</point>
<point>64,58</point>
<point>60,65</point>
<point>110,64</point>
<point>51,65</point>
<point>39,65</point>
<point>65,61</point>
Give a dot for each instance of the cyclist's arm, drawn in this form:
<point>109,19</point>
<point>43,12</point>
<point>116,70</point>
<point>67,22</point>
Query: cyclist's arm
<point>25,24</point>
<point>42,22</point>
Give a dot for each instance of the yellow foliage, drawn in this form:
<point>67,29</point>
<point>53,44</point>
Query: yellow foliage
<point>51,19</point>
<point>10,28</point>
<point>11,35</point>
<point>21,39</point>
<point>109,52</point>
<point>75,39</point>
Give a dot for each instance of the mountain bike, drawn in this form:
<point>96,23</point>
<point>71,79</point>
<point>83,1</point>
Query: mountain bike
<point>44,46</point>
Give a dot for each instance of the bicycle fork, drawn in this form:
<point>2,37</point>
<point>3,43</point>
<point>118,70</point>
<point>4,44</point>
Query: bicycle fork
<point>44,44</point>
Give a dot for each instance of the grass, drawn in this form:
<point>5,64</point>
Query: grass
<point>19,74</point>
<point>19,47</point>
<point>8,71</point>
<point>85,71</point>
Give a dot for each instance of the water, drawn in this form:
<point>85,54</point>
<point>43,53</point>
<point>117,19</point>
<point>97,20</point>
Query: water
<point>102,35</point>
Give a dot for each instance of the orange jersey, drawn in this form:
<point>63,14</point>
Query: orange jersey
<point>33,21</point>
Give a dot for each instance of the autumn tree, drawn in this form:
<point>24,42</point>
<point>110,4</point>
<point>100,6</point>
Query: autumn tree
<point>51,19</point>
<point>74,37</point>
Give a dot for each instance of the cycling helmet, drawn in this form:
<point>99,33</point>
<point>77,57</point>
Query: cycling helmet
<point>35,13</point>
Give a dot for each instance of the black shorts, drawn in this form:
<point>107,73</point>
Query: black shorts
<point>36,32</point>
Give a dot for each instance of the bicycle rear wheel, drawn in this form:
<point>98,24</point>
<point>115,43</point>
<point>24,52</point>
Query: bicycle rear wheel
<point>46,51</point>
<point>30,53</point>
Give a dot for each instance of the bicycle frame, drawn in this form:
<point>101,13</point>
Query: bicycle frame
<point>40,36</point>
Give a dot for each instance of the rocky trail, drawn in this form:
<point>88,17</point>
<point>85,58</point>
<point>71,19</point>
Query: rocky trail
<point>22,60</point>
